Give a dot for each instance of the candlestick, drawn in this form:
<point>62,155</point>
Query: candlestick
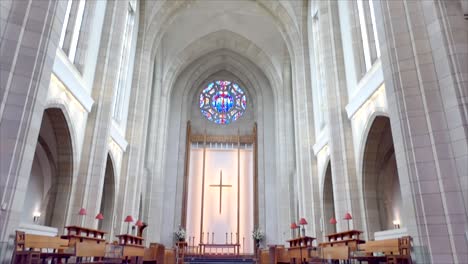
<point>231,237</point>
<point>226,238</point>
<point>202,235</point>
<point>212,238</point>
<point>207,237</point>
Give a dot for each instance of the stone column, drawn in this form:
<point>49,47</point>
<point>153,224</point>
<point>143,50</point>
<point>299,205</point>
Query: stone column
<point>88,188</point>
<point>287,183</point>
<point>424,48</point>
<point>345,188</point>
<point>27,52</point>
<point>310,183</point>
<point>133,163</point>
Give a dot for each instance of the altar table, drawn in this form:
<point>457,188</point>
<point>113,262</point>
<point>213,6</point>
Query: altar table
<point>235,247</point>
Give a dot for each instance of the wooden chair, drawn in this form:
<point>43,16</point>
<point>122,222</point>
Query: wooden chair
<point>264,256</point>
<point>393,251</point>
<point>169,256</point>
<point>30,248</point>
<point>335,253</point>
<point>278,254</point>
<point>21,255</point>
<point>404,248</point>
<point>154,254</point>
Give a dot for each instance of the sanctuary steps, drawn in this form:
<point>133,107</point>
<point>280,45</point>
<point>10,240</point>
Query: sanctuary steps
<point>219,259</point>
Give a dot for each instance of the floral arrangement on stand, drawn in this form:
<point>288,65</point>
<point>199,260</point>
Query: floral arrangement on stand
<point>258,235</point>
<point>180,234</point>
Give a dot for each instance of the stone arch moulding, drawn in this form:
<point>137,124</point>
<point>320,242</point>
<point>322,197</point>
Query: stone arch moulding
<point>365,135</point>
<point>281,15</point>
<point>109,205</point>
<point>63,131</point>
<point>323,171</point>
<point>63,106</point>
<point>111,156</point>
<point>184,88</point>
<point>378,138</point>
<point>224,63</point>
<point>237,45</point>
<point>326,206</point>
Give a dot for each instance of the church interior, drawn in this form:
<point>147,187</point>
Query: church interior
<point>234,131</point>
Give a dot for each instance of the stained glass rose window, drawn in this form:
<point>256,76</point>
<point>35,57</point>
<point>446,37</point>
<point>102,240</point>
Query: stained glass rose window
<point>222,102</point>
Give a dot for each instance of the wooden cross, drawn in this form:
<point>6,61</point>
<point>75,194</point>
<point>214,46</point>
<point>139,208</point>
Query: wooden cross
<point>220,188</point>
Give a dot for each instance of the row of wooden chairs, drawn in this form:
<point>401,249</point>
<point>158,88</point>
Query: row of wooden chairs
<point>31,249</point>
<point>391,251</point>
<point>37,249</point>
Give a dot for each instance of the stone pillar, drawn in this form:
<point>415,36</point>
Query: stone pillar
<point>27,52</point>
<point>424,48</point>
<point>287,184</point>
<point>345,188</point>
<point>89,184</point>
<point>310,181</point>
<point>133,171</point>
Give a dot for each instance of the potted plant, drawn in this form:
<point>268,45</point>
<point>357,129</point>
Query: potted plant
<point>180,234</point>
<point>257,235</point>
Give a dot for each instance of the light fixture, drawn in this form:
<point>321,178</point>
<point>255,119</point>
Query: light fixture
<point>128,220</point>
<point>396,223</point>
<point>82,213</point>
<point>348,217</point>
<point>303,222</point>
<point>293,228</point>
<point>36,216</point>
<point>99,216</point>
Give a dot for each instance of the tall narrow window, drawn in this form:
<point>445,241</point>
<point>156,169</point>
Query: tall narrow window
<point>319,75</point>
<point>76,30</point>
<point>119,102</point>
<point>71,27</point>
<point>65,23</point>
<point>374,25</point>
<point>365,39</point>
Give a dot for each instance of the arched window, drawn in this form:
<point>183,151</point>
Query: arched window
<point>222,102</point>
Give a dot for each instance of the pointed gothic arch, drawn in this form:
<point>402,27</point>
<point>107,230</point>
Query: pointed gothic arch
<point>50,183</point>
<point>108,197</point>
<point>381,188</point>
<point>328,200</point>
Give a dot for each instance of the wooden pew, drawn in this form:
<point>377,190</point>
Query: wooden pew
<point>154,254</point>
<point>30,248</point>
<point>132,247</point>
<point>169,256</point>
<point>387,247</point>
<point>299,249</point>
<point>397,250</point>
<point>264,256</point>
<point>335,253</point>
<point>88,243</point>
<point>279,254</point>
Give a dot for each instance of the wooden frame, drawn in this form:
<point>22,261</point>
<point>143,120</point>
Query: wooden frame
<point>204,139</point>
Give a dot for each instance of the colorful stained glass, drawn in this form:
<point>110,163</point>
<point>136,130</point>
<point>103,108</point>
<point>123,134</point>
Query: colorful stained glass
<point>222,102</point>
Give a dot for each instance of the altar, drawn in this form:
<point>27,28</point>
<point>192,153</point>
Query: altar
<point>34,229</point>
<point>214,249</point>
